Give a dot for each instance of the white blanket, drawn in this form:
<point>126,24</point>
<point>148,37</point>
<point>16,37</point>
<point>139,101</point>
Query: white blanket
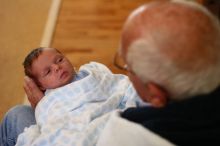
<point>75,114</point>
<point>121,132</point>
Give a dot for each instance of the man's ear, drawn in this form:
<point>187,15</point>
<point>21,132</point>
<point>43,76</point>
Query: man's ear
<point>149,92</point>
<point>157,96</point>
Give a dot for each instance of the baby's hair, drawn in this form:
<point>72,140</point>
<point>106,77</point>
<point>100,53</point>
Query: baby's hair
<point>34,54</point>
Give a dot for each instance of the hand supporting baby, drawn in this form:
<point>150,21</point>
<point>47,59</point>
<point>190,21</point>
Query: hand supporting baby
<point>33,92</point>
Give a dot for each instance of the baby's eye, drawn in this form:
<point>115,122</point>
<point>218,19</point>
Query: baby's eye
<point>59,59</point>
<point>47,72</point>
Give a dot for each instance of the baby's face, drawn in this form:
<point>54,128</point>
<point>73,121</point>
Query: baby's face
<point>52,69</point>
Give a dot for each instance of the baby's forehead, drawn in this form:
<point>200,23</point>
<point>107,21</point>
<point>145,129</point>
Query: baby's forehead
<point>43,60</point>
<point>46,55</point>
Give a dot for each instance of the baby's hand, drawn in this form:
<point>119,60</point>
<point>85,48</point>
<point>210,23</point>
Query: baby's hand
<point>33,92</point>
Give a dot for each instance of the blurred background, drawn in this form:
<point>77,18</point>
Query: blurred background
<point>84,30</point>
<point>21,28</point>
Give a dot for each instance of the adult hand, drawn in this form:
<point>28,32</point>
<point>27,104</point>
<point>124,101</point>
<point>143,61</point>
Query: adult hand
<point>33,92</point>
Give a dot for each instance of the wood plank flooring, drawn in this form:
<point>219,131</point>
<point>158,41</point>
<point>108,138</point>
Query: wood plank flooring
<point>90,30</point>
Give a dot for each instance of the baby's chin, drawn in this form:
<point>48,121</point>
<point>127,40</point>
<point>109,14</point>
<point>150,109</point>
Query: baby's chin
<point>62,82</point>
<point>67,81</point>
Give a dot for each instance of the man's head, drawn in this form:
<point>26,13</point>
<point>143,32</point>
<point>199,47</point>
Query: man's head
<point>172,48</point>
<point>49,68</point>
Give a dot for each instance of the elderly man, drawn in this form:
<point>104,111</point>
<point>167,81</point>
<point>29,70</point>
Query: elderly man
<point>171,51</point>
<point>172,55</point>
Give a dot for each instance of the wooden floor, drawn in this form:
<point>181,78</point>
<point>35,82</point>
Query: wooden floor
<point>90,30</point>
<point>21,28</point>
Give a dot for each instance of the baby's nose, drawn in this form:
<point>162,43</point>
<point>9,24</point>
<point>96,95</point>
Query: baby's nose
<point>56,67</point>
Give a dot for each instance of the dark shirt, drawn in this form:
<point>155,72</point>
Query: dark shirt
<point>194,121</point>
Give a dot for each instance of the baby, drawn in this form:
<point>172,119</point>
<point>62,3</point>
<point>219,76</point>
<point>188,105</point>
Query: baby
<point>75,106</point>
<point>48,68</point>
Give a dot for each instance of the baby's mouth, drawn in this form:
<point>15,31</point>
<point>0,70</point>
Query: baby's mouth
<point>63,75</point>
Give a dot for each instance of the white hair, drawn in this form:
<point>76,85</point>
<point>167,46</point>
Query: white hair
<point>151,65</point>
